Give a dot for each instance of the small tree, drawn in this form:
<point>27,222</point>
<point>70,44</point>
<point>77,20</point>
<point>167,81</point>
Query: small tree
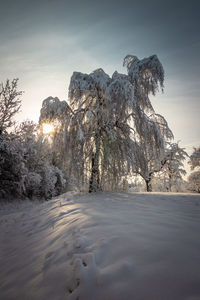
<point>194,181</point>
<point>174,167</point>
<point>170,176</point>
<point>10,103</point>
<point>195,158</point>
<point>194,178</point>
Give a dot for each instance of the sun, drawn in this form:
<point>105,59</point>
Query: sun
<point>47,128</point>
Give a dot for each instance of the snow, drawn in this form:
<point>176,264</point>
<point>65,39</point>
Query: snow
<point>101,246</point>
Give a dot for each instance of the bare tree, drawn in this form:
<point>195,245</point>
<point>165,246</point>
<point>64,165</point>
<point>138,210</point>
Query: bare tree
<point>10,103</point>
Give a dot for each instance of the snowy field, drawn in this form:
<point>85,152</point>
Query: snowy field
<point>120,246</point>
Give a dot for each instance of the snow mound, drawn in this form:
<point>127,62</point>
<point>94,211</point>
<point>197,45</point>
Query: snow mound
<point>101,246</point>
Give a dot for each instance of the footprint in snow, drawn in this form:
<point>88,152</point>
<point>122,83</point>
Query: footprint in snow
<point>86,275</point>
<point>81,242</point>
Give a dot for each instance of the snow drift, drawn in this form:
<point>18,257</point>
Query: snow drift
<point>101,246</point>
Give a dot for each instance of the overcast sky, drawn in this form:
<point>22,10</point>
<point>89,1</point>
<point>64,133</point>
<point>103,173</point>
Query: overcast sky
<point>44,41</point>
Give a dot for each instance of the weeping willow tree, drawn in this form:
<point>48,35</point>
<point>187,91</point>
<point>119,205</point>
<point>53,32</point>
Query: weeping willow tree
<point>114,129</point>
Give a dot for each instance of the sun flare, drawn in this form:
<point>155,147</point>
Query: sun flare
<point>47,128</point>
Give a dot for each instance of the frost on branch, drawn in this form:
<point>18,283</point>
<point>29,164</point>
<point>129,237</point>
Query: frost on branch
<point>52,109</point>
<point>101,79</point>
<point>120,92</point>
<point>147,75</point>
<point>83,86</point>
<point>148,72</point>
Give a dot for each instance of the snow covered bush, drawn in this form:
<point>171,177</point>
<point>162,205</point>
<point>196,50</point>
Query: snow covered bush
<point>43,178</point>
<point>194,181</point>
<point>32,183</point>
<point>195,158</point>
<point>52,181</point>
<point>26,169</point>
<point>12,167</point>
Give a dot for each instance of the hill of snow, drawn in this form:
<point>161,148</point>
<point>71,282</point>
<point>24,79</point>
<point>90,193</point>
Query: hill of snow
<point>101,246</point>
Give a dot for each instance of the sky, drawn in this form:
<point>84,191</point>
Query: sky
<point>44,41</point>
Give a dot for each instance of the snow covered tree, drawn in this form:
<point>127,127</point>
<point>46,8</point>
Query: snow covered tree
<point>110,130</point>
<point>12,167</point>
<point>86,93</point>
<point>150,154</point>
<point>11,154</point>
<point>10,103</point>
<point>195,158</point>
<point>152,131</point>
<point>56,114</point>
<point>170,176</point>
<point>42,179</point>
<point>114,129</point>
<point>194,181</point>
<point>194,178</point>
<point>100,129</point>
<point>174,166</point>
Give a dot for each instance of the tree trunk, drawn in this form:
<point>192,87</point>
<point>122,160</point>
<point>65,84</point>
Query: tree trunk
<point>170,181</point>
<point>148,185</point>
<point>94,184</point>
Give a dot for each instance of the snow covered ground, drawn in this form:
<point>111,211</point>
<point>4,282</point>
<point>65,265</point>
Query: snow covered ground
<point>119,246</point>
